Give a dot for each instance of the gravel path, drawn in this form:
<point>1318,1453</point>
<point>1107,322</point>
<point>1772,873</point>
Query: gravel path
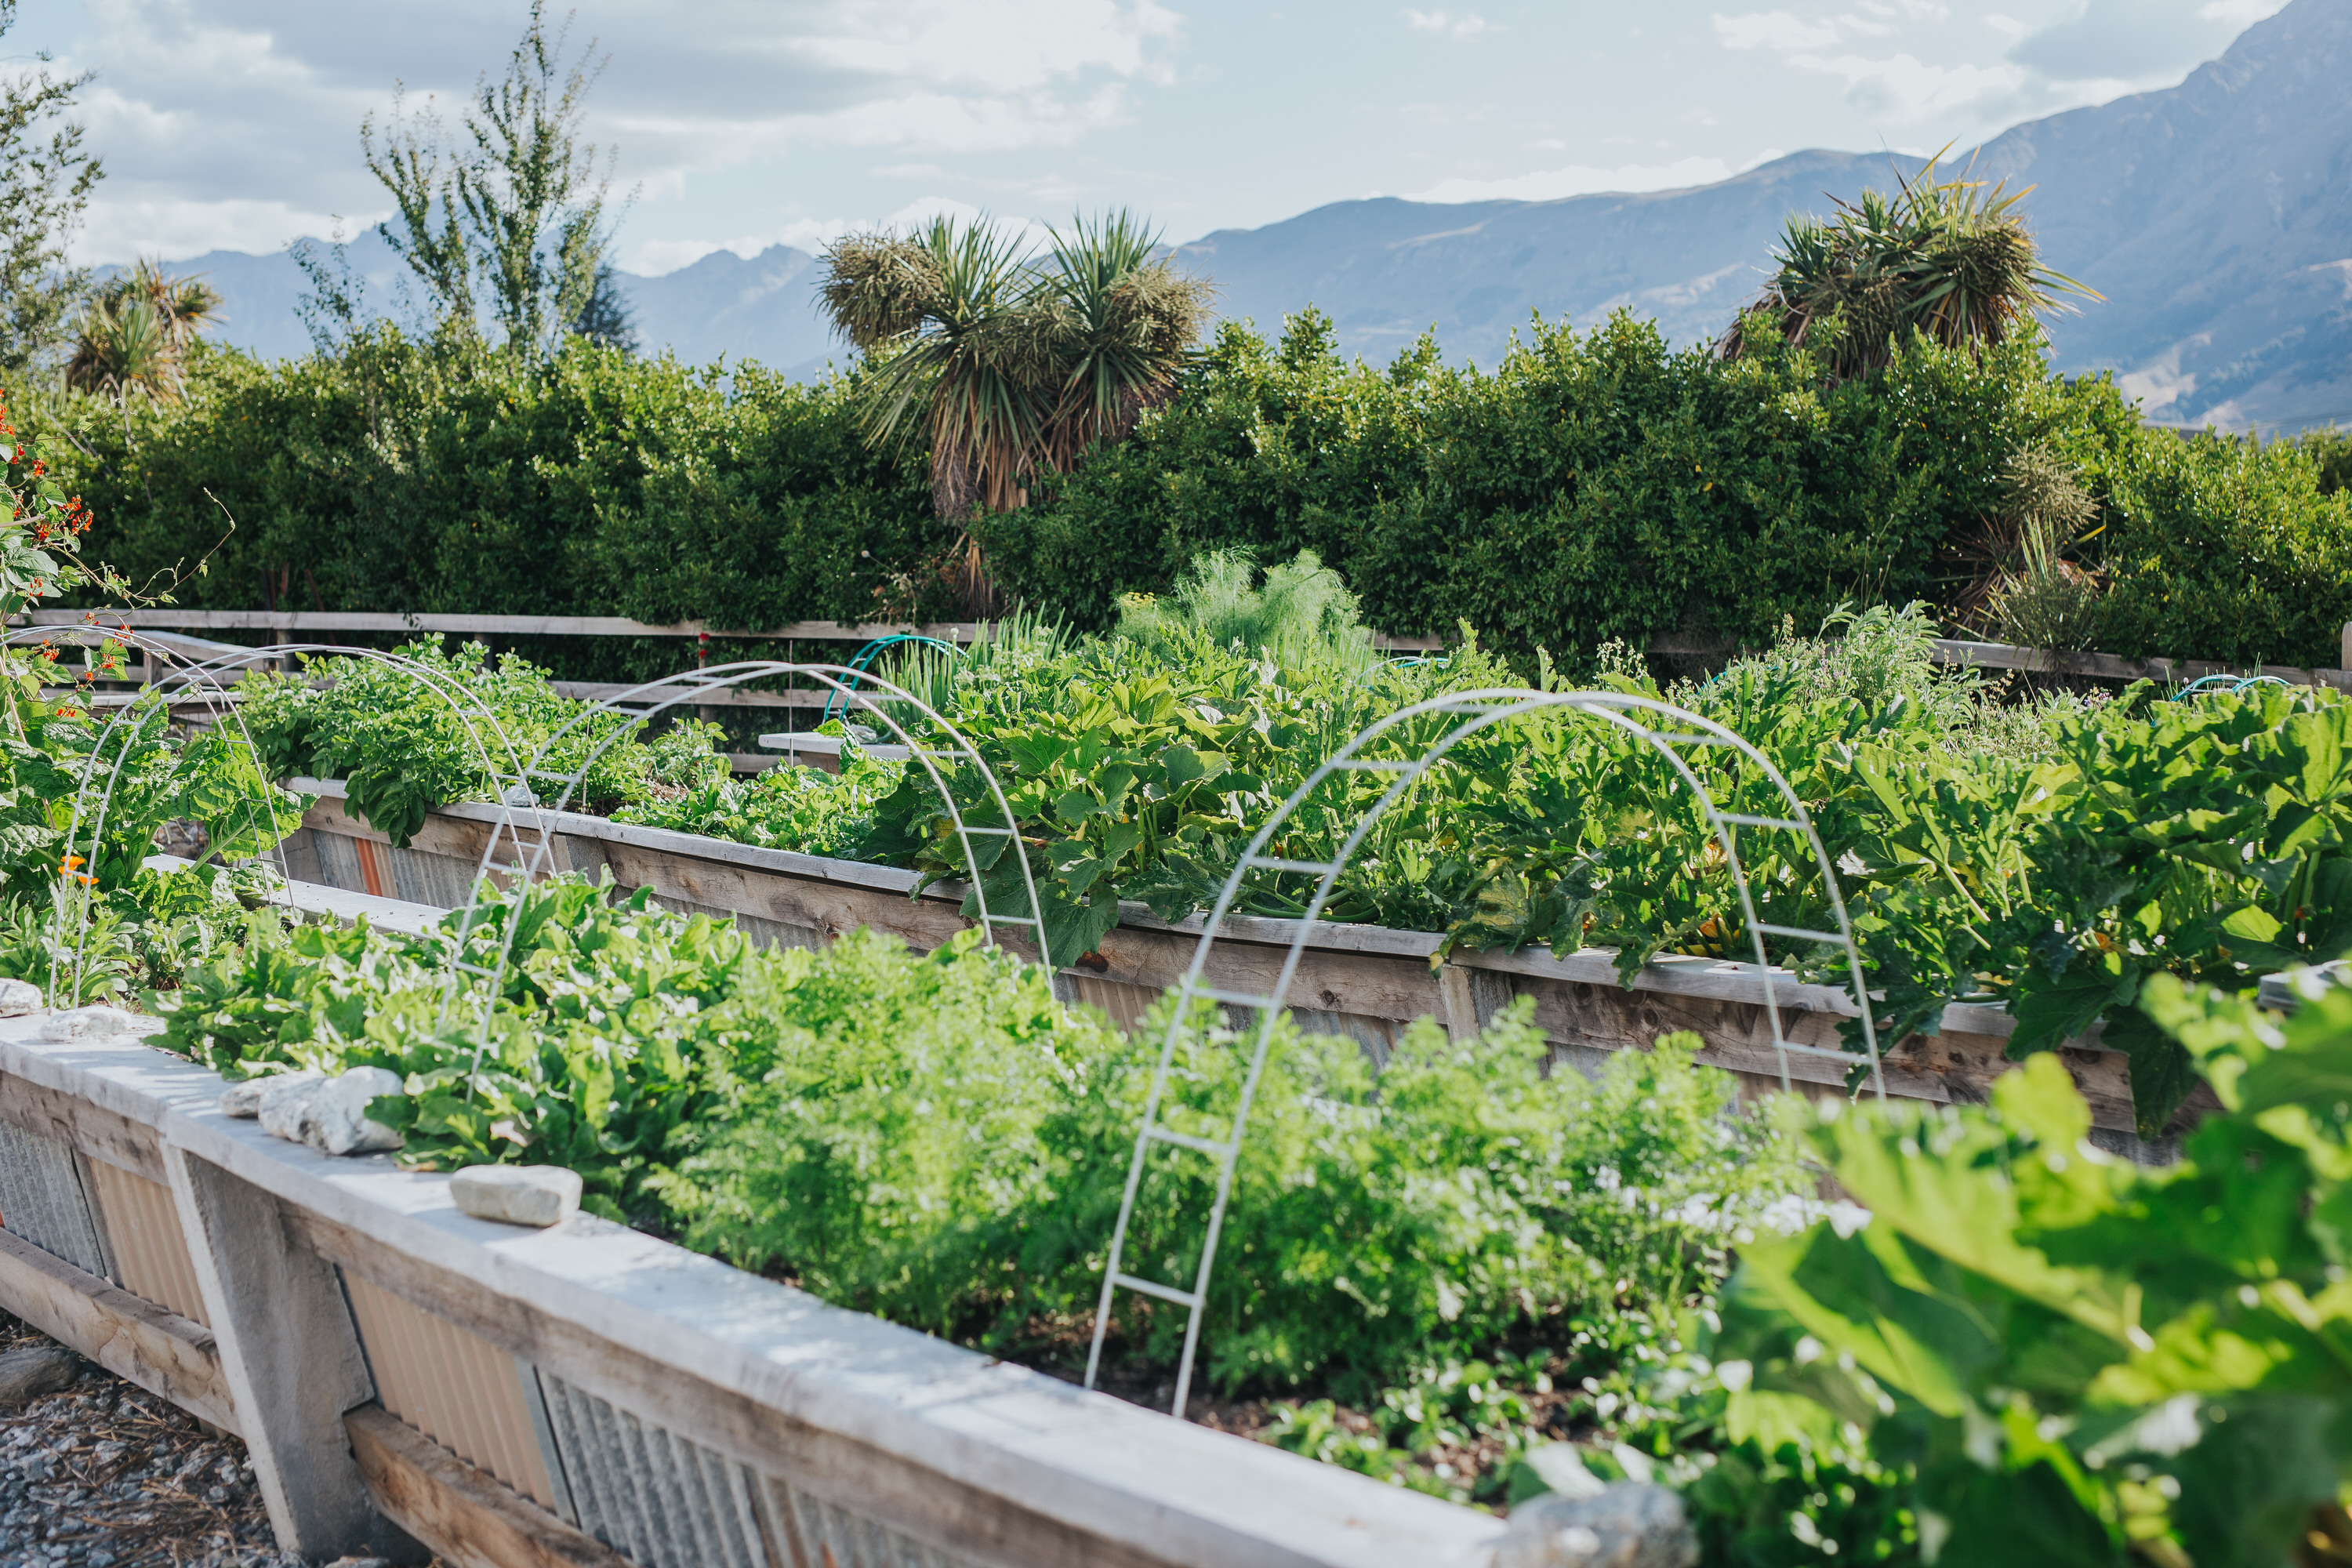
<point>107,1475</point>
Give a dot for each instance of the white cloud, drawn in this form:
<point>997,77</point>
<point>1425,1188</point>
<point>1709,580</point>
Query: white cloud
<point>2239,13</point>
<point>1775,30</point>
<point>237,122</point>
<point>1576,181</point>
<point>1004,46</point>
<point>176,229</point>
<point>1464,26</point>
<point>1907,87</point>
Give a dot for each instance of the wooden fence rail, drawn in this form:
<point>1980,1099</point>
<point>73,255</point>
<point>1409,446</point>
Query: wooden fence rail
<point>545,625</point>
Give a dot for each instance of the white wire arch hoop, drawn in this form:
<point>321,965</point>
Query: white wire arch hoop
<point>870,692</point>
<point>1635,716</point>
<point>205,676</point>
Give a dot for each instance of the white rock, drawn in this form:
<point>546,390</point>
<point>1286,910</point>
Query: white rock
<point>1630,1524</point>
<point>330,1114</point>
<point>18,998</point>
<point>89,1024</point>
<point>518,1194</point>
<point>244,1099</point>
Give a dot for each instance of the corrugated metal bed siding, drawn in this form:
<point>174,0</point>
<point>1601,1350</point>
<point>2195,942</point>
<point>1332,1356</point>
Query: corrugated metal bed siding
<point>654,1496</point>
<point>151,1251</point>
<point>42,1200</point>
<point>462,1391</point>
<point>827,1535</point>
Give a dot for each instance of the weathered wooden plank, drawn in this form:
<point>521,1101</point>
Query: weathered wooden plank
<point>290,1357</point>
<point>689,696</point>
<point>1367,984</point>
<point>161,1351</point>
<point>553,625</point>
<point>495,626</point>
<point>467,1517</point>
<point>102,1134</point>
<point>828,907</point>
<point>2113,666</point>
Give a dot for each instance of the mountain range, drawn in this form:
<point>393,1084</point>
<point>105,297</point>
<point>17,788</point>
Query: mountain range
<point>2215,217</point>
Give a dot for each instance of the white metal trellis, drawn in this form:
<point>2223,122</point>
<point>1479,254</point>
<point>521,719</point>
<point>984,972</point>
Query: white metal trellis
<point>1638,716</point>
<point>204,679</point>
<point>940,741</point>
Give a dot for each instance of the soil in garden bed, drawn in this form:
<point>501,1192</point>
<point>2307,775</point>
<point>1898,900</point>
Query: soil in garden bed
<point>1459,1469</point>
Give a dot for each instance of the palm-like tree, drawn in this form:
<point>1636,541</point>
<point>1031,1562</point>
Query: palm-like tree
<point>955,350</point>
<point>136,331</point>
<point>1952,258</point>
<point>1005,361</point>
<point>1123,323</point>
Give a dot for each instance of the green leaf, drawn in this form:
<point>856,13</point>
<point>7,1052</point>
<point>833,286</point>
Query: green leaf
<point>2162,1072</point>
<point>1121,838</point>
<point>2251,924</point>
<point>1075,805</point>
<point>2051,1012</point>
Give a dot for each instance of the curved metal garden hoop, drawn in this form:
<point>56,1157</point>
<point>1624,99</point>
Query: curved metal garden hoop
<point>875,695</point>
<point>1661,726</point>
<point>205,676</point>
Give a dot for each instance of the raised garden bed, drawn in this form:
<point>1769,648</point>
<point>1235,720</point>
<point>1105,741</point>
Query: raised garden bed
<point>557,1396</point>
<point>1362,981</point>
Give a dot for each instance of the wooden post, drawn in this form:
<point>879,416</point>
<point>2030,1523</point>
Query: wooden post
<point>2344,653</point>
<point>291,1360</point>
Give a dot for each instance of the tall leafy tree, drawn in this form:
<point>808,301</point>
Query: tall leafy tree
<point>1123,322</point>
<point>606,318</point>
<point>956,353</point>
<point>45,178</point>
<point>509,211</point>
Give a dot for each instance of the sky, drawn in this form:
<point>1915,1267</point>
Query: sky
<point>235,124</point>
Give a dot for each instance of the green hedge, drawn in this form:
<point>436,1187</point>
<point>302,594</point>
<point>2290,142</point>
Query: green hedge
<point>406,476</point>
<point>1595,486</point>
<point>1604,485</point>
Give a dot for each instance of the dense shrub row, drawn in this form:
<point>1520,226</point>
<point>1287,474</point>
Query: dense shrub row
<point>1595,486</point>
<point>1604,485</point>
<point>441,478</point>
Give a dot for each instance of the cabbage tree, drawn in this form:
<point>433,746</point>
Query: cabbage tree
<point>1005,362</point>
<point>1951,258</point>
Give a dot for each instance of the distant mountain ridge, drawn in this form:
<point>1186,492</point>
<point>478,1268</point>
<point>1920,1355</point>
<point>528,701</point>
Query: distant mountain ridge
<point>2216,216</point>
<point>1384,272</point>
<point>762,309</point>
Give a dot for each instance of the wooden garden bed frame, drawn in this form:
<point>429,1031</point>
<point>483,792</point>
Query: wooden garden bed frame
<point>403,1374</point>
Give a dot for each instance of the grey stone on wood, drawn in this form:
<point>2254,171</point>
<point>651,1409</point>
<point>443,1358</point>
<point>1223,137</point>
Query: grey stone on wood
<point>538,1196</point>
<point>28,1372</point>
<point>243,1100</point>
<point>1631,1524</point>
<point>92,1024</point>
<point>330,1114</point>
